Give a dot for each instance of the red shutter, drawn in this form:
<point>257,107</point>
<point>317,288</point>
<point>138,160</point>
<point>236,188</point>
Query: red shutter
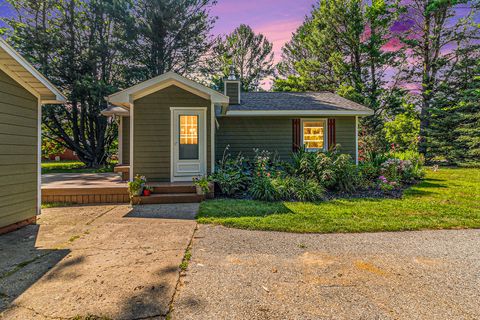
<point>296,135</point>
<point>332,139</point>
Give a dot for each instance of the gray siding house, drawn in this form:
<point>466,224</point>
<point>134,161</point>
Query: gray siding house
<point>23,90</point>
<point>173,129</point>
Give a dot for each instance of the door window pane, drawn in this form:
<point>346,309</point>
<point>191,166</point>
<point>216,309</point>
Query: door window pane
<point>188,137</point>
<point>314,134</point>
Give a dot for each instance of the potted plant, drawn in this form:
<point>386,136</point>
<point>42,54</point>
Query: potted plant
<point>135,187</point>
<point>147,191</point>
<point>204,187</point>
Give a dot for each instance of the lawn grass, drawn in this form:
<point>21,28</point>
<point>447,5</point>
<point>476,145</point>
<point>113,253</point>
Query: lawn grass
<point>68,166</point>
<point>446,199</point>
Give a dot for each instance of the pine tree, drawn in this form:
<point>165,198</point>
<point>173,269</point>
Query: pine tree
<point>434,40</point>
<point>453,132</point>
<point>170,35</point>
<point>250,54</point>
<point>469,121</point>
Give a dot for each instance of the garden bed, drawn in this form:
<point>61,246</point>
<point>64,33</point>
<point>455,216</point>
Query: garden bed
<point>445,199</point>
<point>315,176</point>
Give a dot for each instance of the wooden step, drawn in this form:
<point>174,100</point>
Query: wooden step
<point>172,188</point>
<point>158,198</point>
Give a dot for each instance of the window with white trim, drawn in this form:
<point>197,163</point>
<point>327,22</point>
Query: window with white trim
<point>314,134</point>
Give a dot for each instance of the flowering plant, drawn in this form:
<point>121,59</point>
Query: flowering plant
<point>386,185</point>
<point>135,187</point>
<point>397,170</point>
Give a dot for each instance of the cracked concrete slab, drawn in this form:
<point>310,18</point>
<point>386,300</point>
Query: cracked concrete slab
<point>241,274</point>
<point>92,260</point>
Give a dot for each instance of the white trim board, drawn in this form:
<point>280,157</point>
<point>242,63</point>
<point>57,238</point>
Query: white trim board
<point>39,79</point>
<point>296,113</point>
<point>212,139</point>
<point>39,158</point>
<point>202,140</point>
<point>125,97</point>
<point>132,146</point>
<point>356,140</point>
<point>325,133</point>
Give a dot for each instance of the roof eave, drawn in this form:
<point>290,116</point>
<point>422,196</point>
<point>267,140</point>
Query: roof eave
<point>125,97</point>
<point>305,113</point>
<point>58,97</point>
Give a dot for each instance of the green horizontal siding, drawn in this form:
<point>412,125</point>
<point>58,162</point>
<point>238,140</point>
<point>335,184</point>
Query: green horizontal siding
<point>345,134</point>
<point>151,133</point>
<point>18,156</point>
<point>243,134</point>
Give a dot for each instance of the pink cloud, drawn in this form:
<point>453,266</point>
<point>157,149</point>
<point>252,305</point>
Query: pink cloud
<point>393,45</point>
<point>279,32</point>
<point>276,19</point>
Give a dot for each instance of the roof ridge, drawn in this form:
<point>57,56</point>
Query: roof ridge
<point>324,91</point>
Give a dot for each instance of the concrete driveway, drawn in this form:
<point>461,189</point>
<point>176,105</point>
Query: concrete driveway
<point>94,260</point>
<point>239,274</point>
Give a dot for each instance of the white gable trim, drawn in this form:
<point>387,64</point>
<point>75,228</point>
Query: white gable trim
<point>125,97</point>
<point>20,61</point>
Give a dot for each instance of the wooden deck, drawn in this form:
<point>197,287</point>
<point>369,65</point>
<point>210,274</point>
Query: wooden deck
<point>84,188</point>
<point>89,188</point>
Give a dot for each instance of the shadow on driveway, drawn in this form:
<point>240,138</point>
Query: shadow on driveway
<point>22,263</point>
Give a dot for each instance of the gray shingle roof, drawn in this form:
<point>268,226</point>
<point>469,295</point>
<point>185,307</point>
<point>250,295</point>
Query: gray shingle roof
<point>283,101</point>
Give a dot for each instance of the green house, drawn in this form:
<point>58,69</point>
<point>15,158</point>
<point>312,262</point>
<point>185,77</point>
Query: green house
<point>23,90</point>
<point>173,129</point>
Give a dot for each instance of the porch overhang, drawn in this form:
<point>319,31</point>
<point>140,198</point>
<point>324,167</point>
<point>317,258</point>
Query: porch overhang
<point>111,111</point>
<point>126,97</point>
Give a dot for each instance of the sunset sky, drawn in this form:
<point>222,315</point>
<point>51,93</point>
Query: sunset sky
<point>276,19</point>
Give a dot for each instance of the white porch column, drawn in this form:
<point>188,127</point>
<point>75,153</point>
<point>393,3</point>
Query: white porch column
<point>356,140</point>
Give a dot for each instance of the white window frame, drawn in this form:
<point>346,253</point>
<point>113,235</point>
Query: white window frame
<point>325,133</point>
<point>203,141</point>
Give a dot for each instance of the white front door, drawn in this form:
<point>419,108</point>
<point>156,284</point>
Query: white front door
<point>189,143</point>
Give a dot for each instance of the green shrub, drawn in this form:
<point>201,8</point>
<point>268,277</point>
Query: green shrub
<point>232,174</point>
<point>415,170</point>
<point>347,177</point>
<point>333,170</point>
<point>369,171</point>
<point>309,190</point>
<point>263,189</point>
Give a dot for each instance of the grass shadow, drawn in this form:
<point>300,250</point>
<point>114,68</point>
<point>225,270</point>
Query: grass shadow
<point>224,208</point>
<point>428,184</point>
<point>164,211</point>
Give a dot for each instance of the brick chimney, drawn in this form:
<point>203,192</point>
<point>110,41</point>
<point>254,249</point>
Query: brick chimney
<point>232,87</point>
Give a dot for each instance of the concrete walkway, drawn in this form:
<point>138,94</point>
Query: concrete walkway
<point>94,260</point>
<point>240,274</point>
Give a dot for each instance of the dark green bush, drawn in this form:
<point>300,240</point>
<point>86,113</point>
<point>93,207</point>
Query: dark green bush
<point>300,190</point>
<point>333,170</point>
<point>232,174</point>
<point>263,189</point>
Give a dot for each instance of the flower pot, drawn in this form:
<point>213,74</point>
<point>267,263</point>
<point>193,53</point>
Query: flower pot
<point>147,193</point>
